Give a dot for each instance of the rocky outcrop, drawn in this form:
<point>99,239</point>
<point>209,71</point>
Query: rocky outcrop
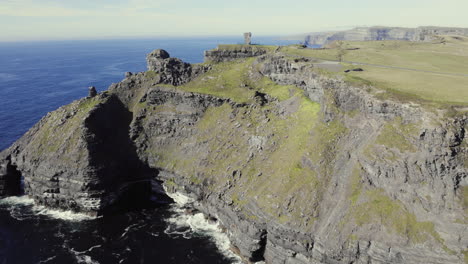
<point>306,169</point>
<point>383,33</point>
<point>79,157</point>
<point>234,52</point>
<point>172,70</point>
<point>10,178</point>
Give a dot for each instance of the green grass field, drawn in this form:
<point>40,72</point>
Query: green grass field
<point>444,58</point>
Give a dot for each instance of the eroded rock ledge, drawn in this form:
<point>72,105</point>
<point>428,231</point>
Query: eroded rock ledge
<point>299,167</point>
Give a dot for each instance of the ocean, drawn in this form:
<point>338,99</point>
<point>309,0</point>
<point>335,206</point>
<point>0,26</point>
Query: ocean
<point>39,77</point>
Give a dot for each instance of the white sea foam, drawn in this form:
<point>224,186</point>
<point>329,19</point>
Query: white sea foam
<point>62,215</point>
<point>16,202</point>
<point>82,258</point>
<point>47,260</point>
<point>180,199</point>
<point>85,259</point>
<point>128,229</point>
<point>196,224</point>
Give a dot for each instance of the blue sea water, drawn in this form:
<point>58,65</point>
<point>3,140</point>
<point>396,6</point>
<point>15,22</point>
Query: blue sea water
<point>39,77</point>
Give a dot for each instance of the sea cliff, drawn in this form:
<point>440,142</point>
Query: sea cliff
<point>383,33</point>
<point>298,166</point>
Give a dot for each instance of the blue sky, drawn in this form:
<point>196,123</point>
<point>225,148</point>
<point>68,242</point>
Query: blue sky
<point>89,19</point>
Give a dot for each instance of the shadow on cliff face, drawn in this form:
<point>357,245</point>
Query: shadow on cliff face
<point>10,179</point>
<point>121,179</point>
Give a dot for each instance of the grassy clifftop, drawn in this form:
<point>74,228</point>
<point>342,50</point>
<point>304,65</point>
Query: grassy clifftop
<point>274,155</point>
<point>430,71</point>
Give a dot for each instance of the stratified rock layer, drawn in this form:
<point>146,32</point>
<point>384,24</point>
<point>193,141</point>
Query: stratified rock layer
<point>299,167</point>
<point>383,33</point>
<point>237,52</point>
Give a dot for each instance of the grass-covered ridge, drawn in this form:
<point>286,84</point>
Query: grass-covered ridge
<point>429,71</point>
<point>274,153</point>
<point>237,80</point>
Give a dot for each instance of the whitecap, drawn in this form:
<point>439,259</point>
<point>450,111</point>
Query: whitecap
<point>47,260</point>
<point>153,234</point>
<point>128,229</point>
<point>62,215</point>
<point>86,251</point>
<point>85,259</point>
<point>17,200</point>
<point>197,224</point>
<point>180,199</point>
<point>82,258</point>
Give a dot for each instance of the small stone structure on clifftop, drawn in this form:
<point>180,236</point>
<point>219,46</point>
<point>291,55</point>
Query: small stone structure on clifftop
<point>248,38</point>
<point>92,91</point>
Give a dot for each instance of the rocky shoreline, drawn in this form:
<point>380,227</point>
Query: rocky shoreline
<point>375,180</point>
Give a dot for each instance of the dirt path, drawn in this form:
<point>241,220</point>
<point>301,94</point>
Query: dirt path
<point>336,62</point>
<point>403,68</point>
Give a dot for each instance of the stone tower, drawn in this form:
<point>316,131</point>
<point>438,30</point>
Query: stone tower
<point>248,38</point>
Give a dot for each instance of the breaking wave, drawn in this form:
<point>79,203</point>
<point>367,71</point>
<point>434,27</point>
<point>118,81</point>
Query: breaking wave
<point>18,204</point>
<point>188,224</point>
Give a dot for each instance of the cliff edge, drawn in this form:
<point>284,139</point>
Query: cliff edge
<point>299,166</point>
<point>383,33</point>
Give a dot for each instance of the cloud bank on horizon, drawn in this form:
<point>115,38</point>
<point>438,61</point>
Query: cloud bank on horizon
<point>72,19</point>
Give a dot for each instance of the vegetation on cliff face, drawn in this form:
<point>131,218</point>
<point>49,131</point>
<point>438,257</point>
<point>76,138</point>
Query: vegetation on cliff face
<point>397,135</point>
<point>60,131</point>
<point>262,154</point>
<point>370,206</point>
<point>238,81</point>
<point>279,156</point>
<point>271,153</point>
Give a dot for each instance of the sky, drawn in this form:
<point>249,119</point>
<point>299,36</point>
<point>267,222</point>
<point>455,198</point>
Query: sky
<point>22,20</point>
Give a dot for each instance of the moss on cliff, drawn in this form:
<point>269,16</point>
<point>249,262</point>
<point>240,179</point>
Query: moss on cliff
<point>225,80</point>
<point>465,201</point>
<point>61,131</point>
<point>237,80</point>
<point>395,134</point>
<point>392,214</point>
<point>275,156</point>
<point>370,205</point>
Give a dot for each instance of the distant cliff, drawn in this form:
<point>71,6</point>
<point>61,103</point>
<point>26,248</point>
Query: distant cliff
<point>383,33</point>
<point>298,167</point>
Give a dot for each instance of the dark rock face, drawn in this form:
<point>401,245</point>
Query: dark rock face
<point>100,150</point>
<point>223,55</point>
<point>10,179</point>
<point>172,70</point>
<point>92,91</point>
<point>90,166</point>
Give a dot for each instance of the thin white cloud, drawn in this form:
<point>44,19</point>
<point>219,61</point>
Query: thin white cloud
<point>59,19</point>
<point>34,8</point>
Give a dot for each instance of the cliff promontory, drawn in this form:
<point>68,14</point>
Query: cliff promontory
<point>299,165</point>
<point>383,33</point>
